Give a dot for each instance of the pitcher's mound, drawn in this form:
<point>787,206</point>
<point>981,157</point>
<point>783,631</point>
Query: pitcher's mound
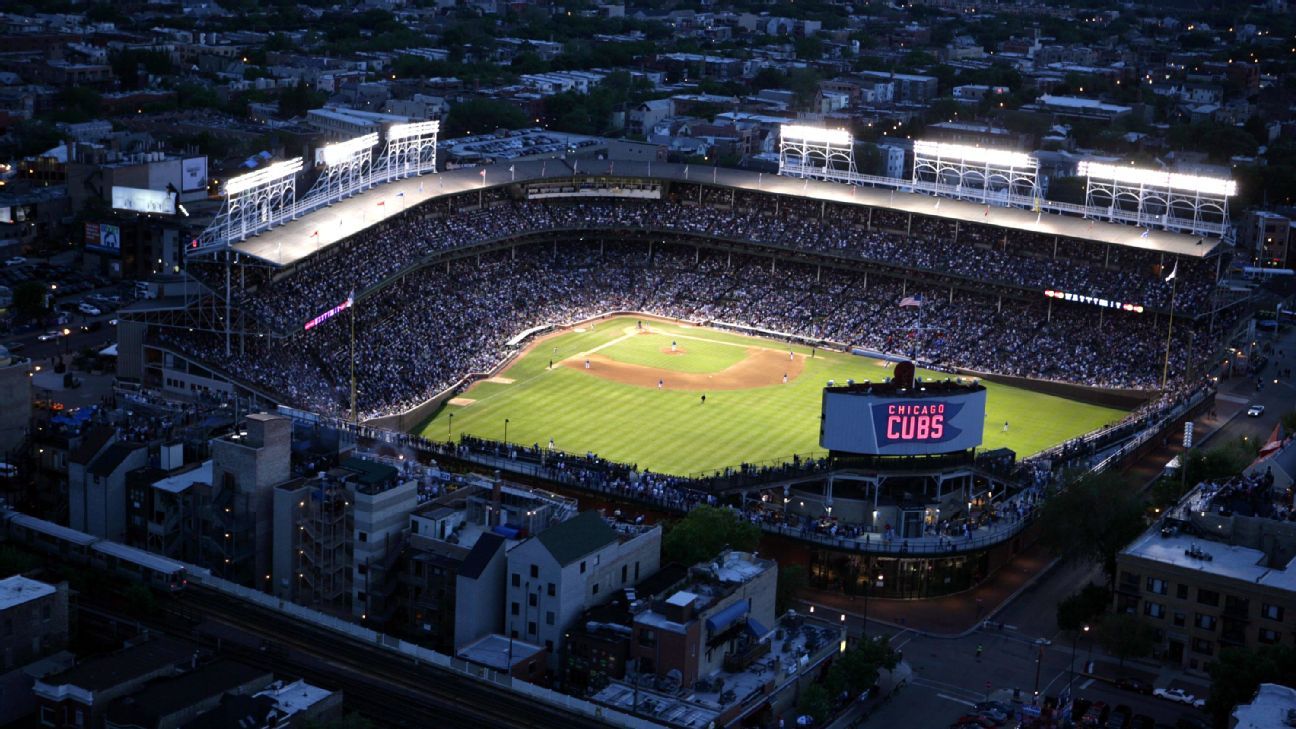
<point>678,350</point>
<point>462,402</point>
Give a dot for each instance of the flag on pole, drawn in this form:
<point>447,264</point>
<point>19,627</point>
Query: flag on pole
<point>937,206</point>
<point>1037,204</point>
<point>483,173</point>
<point>351,298</point>
<point>420,186</point>
<point>511,168</point>
<point>543,165</point>
<point>915,300</point>
<point>400,194</point>
<point>1173,272</point>
<point>381,203</point>
<point>686,172</point>
<point>987,211</point>
<point>1146,232</point>
<point>315,234</point>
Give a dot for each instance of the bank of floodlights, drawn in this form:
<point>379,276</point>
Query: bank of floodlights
<point>990,175</point>
<point>274,172</point>
<point>258,201</point>
<point>340,153</point>
<point>1157,198</point>
<point>411,150</point>
<point>806,151</point>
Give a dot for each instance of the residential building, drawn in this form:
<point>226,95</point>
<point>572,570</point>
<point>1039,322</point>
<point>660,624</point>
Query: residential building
<point>1266,237</point>
<point>78,697</point>
<point>1075,106</point>
<point>518,658</point>
<point>454,568</point>
<point>170,702</point>
<point>97,490</point>
<point>909,88</point>
<point>15,401</point>
<point>1218,571</point>
<point>647,114</point>
<point>246,466</point>
<point>556,575</point>
<point>165,506</point>
<point>714,618</point>
<point>299,704</point>
<point>33,627</point>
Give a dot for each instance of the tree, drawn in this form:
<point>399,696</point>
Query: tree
<point>483,116</point>
<point>1125,636</point>
<point>298,99</point>
<point>705,532</point>
<point>1239,672</point>
<point>1093,519</point>
<point>1085,606</point>
<point>29,298</point>
<point>791,580</point>
<point>856,670</point>
<point>815,702</point>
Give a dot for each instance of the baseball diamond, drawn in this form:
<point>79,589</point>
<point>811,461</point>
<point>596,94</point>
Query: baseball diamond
<point>616,409</point>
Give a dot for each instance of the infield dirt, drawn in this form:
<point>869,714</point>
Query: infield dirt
<point>760,368</point>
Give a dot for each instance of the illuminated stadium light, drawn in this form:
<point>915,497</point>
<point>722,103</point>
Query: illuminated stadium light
<point>1158,178</point>
<point>414,129</point>
<point>974,155</point>
<point>815,135</point>
<point>274,172</point>
<point>343,152</point>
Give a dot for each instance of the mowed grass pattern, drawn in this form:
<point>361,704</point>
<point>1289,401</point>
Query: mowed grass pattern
<point>671,431</point>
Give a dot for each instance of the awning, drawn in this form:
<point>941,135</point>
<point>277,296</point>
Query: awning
<point>109,351</point>
<point>722,620</point>
<point>757,630</point>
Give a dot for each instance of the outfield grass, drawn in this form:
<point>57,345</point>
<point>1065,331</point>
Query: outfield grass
<point>671,431</point>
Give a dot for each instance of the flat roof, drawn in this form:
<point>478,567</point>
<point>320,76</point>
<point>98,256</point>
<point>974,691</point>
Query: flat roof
<point>1268,709</point>
<point>295,697</point>
<point>181,481</point>
<point>495,651</point>
<point>17,590</point>
<point>312,232</point>
<point>1226,560</point>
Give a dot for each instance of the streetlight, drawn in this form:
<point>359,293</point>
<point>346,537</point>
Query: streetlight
<point>1071,671</point>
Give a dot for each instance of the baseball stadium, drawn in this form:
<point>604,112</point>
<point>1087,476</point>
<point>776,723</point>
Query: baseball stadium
<point>660,337</point>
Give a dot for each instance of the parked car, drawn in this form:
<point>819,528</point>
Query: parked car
<point>1120,717</point>
<point>48,336</point>
<point>1096,715</point>
<point>1255,411</point>
<point>15,261</point>
<point>1137,685</point>
<point>89,309</point>
<point>1179,696</point>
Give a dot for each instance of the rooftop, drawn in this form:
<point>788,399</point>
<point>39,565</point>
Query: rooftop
<point>17,590</point>
<point>1202,555</point>
<point>1268,709</point>
<point>496,651</point>
<point>295,697</point>
<point>581,535</point>
<point>179,482</point>
<point>113,669</point>
<point>170,695</point>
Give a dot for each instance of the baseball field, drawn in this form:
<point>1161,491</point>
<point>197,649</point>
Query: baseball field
<point>635,395</point>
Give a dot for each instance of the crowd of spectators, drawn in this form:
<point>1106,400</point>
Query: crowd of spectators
<point>427,330</point>
<point>970,251</point>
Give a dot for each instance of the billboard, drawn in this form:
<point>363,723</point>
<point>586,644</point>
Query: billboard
<point>157,202</point>
<point>103,237</point>
<point>895,424</point>
<point>193,174</point>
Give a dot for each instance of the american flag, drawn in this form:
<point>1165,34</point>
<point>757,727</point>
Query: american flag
<point>381,203</point>
<point>915,300</point>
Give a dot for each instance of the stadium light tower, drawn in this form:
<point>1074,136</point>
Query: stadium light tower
<point>988,175</point>
<point>347,167</point>
<point>1157,198</point>
<point>258,200</point>
<point>815,152</point>
<point>411,149</point>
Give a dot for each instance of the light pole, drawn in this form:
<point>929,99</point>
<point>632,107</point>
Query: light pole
<point>1071,671</point>
<point>450,429</point>
<point>506,422</point>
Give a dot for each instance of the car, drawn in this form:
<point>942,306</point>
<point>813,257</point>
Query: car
<point>1179,696</point>
<point>15,261</point>
<point>48,336</point>
<point>1096,715</point>
<point>1120,717</point>
<point>89,309</point>
<point>112,322</point>
<point>995,714</point>
<point>1137,685</point>
<point>1255,411</point>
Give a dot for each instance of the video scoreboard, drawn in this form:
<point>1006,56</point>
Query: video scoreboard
<point>884,419</point>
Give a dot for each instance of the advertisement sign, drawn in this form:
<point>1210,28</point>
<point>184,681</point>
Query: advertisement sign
<point>134,199</point>
<point>103,237</point>
<point>193,174</point>
<point>915,424</point>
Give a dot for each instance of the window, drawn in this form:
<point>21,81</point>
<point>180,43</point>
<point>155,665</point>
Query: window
<point>1272,612</point>
<point>595,590</point>
<point>47,715</point>
<point>647,638</point>
<point>549,645</point>
<point>1154,609</point>
<point>553,590</point>
<point>1179,620</point>
<point>1181,591</point>
<point>1203,646</point>
<point>1268,636</point>
<point>636,571</point>
<point>582,567</point>
<point>513,634</point>
<point>362,569</point>
<point>362,536</point>
<point>549,617</point>
<point>1207,597</point>
<point>1156,586</point>
<point>1205,622</point>
<point>535,571</point>
<point>45,612</point>
<point>532,599</point>
<point>515,609</point>
<point>517,580</point>
<point>531,627</point>
<point>624,569</point>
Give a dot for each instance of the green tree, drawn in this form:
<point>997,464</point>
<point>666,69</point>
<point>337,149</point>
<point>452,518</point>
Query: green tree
<point>296,100</point>
<point>791,580</point>
<point>1093,519</point>
<point>1221,461</point>
<point>705,532</point>
<point>1239,672</point>
<point>856,670</point>
<point>29,298</point>
<point>1085,606</point>
<point>483,116</point>
<point>815,702</point>
<point>1125,636</point>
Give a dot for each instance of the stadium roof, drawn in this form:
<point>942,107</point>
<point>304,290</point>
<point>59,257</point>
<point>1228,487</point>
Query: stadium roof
<point>314,231</point>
